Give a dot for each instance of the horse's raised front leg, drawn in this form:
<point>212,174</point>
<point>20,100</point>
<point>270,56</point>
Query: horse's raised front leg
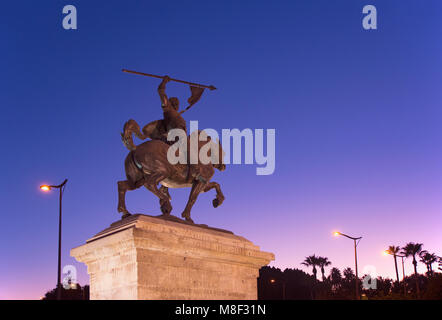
<point>219,194</point>
<point>151,183</point>
<point>197,188</point>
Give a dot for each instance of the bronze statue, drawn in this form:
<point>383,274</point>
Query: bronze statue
<point>147,164</point>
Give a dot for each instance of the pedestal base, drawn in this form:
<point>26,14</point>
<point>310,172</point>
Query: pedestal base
<point>144,257</point>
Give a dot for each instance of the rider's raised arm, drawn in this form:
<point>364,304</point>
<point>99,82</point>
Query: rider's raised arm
<point>162,92</point>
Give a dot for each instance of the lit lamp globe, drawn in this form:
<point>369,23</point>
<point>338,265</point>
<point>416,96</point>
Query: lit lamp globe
<point>45,188</point>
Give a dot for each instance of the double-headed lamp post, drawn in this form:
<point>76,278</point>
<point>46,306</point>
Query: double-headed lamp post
<point>60,187</point>
<point>337,233</point>
<point>386,252</point>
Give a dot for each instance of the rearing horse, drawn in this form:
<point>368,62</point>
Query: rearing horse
<point>147,165</point>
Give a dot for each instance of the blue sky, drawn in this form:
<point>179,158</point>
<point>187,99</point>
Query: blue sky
<point>356,113</point>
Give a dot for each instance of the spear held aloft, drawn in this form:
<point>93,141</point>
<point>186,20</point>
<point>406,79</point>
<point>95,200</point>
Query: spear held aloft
<point>171,79</point>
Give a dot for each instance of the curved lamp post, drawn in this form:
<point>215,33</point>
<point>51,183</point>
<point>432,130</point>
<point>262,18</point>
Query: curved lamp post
<point>60,187</point>
<point>337,233</point>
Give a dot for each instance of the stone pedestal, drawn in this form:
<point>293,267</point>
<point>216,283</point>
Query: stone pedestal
<point>145,257</point>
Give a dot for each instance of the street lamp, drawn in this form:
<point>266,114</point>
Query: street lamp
<point>356,241</point>
<point>47,188</point>
<point>386,252</point>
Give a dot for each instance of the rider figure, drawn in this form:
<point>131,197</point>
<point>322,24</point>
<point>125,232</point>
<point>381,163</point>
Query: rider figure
<point>174,120</point>
<point>172,117</point>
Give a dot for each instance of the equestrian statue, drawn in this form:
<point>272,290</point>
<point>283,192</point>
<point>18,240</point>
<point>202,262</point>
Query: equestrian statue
<point>148,165</point>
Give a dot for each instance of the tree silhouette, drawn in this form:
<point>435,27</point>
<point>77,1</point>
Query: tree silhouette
<point>434,288</point>
<point>394,250</point>
<point>272,281</point>
<point>335,279</point>
<point>349,275</point>
<point>311,261</point>
<point>295,284</point>
<point>75,293</point>
<point>428,259</point>
<point>412,249</point>
<point>322,263</point>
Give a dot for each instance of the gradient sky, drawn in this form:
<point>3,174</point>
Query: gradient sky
<point>357,116</point>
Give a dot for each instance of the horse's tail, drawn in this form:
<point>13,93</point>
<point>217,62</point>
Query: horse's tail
<point>129,128</point>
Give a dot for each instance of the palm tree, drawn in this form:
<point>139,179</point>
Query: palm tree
<point>311,261</point>
<point>335,278</point>
<point>428,259</point>
<point>411,250</point>
<point>394,251</point>
<point>323,262</point>
<point>348,274</point>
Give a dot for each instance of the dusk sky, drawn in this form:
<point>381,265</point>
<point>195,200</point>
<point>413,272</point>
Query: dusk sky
<point>357,116</point>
